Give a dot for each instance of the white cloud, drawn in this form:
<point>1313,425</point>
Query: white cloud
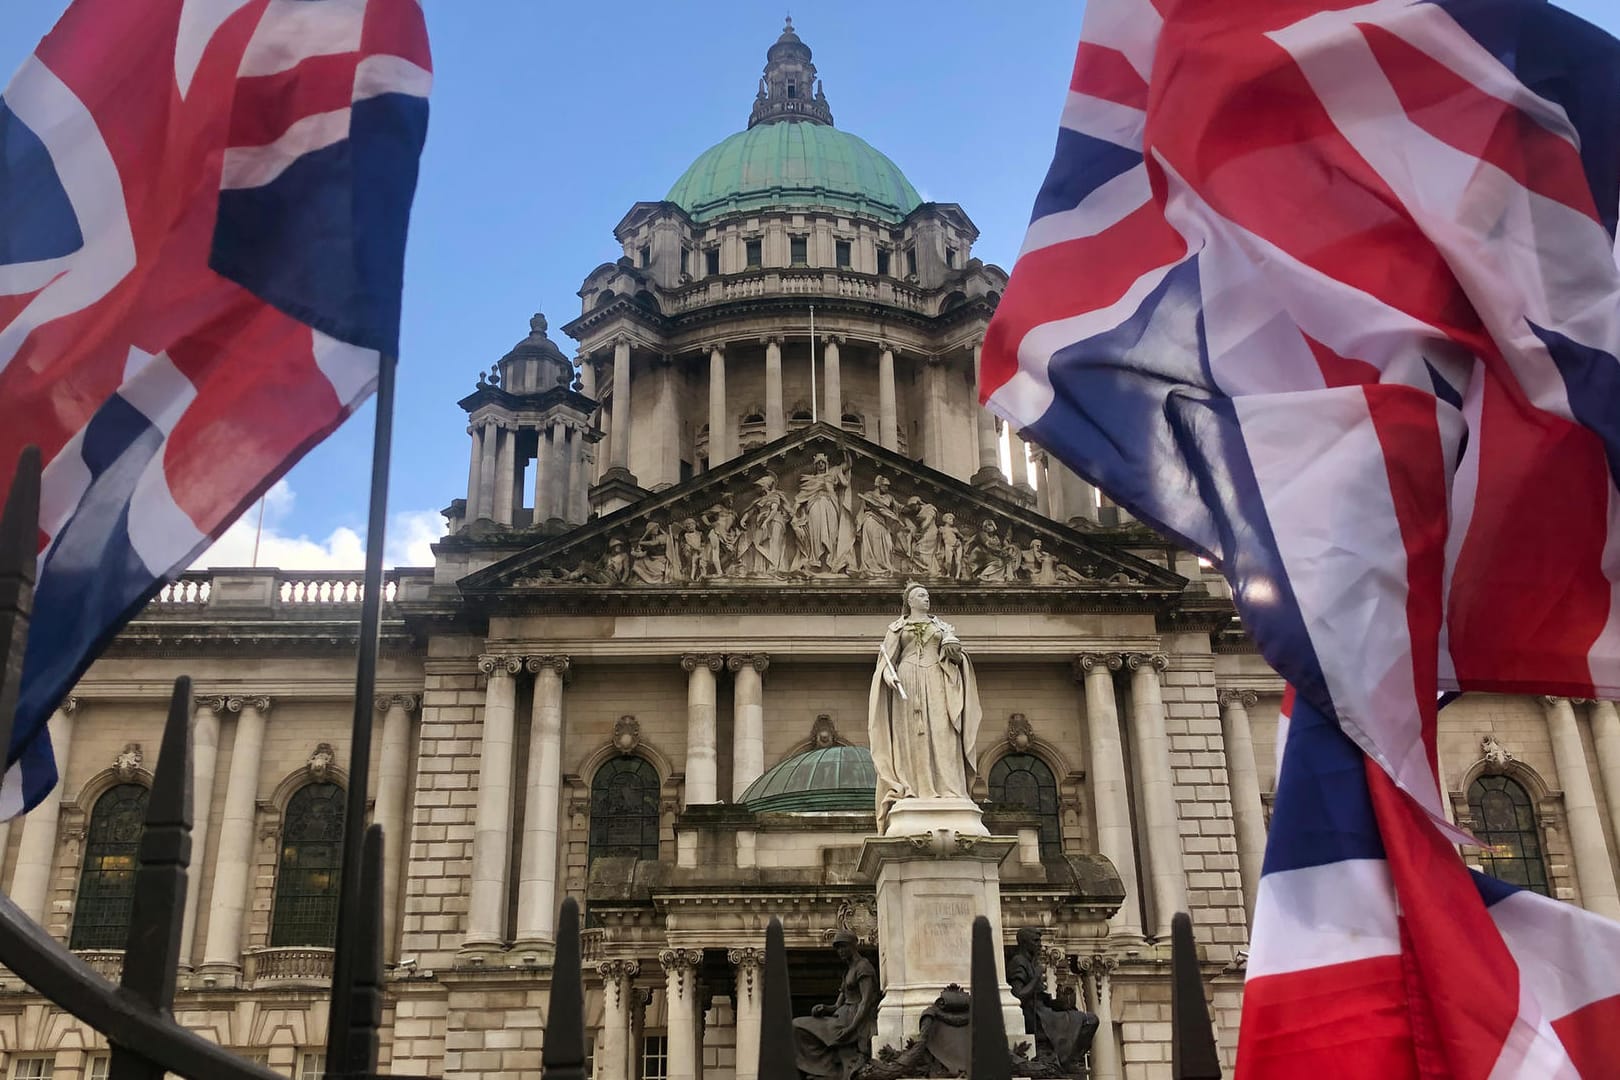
<point>411,534</point>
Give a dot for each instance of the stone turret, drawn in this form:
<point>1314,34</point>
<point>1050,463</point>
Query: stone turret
<point>789,89</point>
<point>529,408</point>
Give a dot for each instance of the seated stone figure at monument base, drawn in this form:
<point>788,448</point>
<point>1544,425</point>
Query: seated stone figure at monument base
<point>1065,1034</point>
<point>835,1040</point>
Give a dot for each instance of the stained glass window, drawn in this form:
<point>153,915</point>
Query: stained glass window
<point>107,881</point>
<point>306,901</point>
<point>1023,780</point>
<point>624,809</point>
<point>1505,820</point>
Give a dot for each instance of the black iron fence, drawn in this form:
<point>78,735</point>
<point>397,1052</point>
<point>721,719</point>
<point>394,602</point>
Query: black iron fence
<point>136,1015</point>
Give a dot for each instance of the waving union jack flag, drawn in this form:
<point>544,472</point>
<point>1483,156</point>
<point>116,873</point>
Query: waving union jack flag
<point>1328,291</point>
<point>203,206</point>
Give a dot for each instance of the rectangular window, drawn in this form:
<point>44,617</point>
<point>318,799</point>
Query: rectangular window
<point>711,261</point>
<point>911,261</point>
<point>654,1057</point>
<point>687,264</point>
<point>883,261</point>
<point>841,254</point>
<point>752,249</point>
<point>99,1066</point>
<point>34,1068</point>
<point>950,257</point>
<point>799,250</point>
<point>311,1065</point>
<point>646,255</point>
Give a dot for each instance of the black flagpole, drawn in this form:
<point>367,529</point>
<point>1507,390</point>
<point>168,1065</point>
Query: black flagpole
<point>350,918</point>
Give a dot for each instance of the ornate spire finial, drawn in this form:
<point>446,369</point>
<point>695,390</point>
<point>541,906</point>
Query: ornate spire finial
<point>790,89</point>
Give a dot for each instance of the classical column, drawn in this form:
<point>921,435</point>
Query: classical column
<point>1099,972</point>
<point>556,447</point>
<point>683,1011</point>
<point>537,880</point>
<point>1592,866</point>
<point>474,473</point>
<point>748,721</point>
<point>983,423</point>
<point>204,759</point>
<point>775,418</point>
<point>1606,741</point>
<point>621,404</point>
<point>613,1048</point>
<point>36,851</point>
<point>488,438</point>
<point>719,427</point>
<point>888,413</point>
<point>702,785</point>
<point>393,781</point>
<point>543,478</point>
<point>1152,754</point>
<point>1016,460</point>
<point>750,965</point>
<point>505,467</point>
<point>1243,779</point>
<point>1043,484</point>
<point>587,375</point>
<point>832,410</point>
<point>1109,789</point>
<point>233,862</point>
<point>578,493</point>
<point>492,828</point>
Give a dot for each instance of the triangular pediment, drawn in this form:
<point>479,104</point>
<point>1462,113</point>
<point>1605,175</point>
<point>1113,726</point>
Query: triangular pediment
<point>818,510</point>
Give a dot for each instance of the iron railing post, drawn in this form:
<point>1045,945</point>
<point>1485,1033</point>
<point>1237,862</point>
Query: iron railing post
<point>152,946</point>
<point>1192,1038</point>
<point>776,1060</point>
<point>991,1057</point>
<point>351,917</point>
<point>562,1055</point>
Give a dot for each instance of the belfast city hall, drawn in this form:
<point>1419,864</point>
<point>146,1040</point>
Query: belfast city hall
<point>641,670</point>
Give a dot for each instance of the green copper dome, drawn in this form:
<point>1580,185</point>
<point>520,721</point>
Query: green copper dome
<point>794,164</point>
<point>827,778</point>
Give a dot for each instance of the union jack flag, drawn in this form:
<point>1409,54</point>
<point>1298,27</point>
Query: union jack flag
<point>203,209</point>
<point>1328,292</point>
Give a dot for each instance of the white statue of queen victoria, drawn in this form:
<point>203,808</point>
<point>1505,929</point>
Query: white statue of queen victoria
<point>923,714</point>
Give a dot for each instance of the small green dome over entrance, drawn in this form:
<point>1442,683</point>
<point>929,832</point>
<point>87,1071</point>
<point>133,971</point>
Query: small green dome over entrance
<point>801,164</point>
<point>827,778</point>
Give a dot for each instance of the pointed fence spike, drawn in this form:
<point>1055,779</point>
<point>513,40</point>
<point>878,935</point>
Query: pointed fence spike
<point>1192,1037</point>
<point>990,1056</point>
<point>776,1042</point>
<point>562,1055</point>
<point>19,554</point>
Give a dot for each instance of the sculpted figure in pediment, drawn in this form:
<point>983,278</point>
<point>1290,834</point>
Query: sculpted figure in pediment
<point>923,536</point>
<point>653,556</point>
<point>875,528</point>
<point>765,523</point>
<point>822,523</point>
<point>720,538</point>
<point>950,547</point>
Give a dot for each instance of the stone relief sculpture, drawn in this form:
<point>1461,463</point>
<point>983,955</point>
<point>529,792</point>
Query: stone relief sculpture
<point>923,714</point>
<point>826,527</point>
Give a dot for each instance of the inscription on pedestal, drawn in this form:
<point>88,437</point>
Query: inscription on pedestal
<point>940,926</point>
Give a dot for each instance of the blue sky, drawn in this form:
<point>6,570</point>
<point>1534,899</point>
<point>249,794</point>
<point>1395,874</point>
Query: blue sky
<point>551,119</point>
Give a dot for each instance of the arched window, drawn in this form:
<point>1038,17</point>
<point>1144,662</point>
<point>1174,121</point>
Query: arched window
<point>306,902</point>
<point>107,882</point>
<point>1023,780</point>
<point>1505,821</point>
<point>624,809</point>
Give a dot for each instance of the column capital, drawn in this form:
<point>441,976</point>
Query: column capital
<point>1099,964</point>
<point>886,346</point>
<point>1246,698</point>
<point>620,340</point>
<point>680,967</point>
<point>833,339</point>
<point>1552,701</point>
<point>693,661</point>
<point>1157,661</point>
<point>616,976</point>
<point>258,703</point>
<point>549,662</point>
<point>749,962</point>
<point>771,339</point>
<point>383,702</point>
<point>493,664</point>
<point>714,347</point>
<point>214,703</point>
<point>758,661</point>
<point>1086,663</point>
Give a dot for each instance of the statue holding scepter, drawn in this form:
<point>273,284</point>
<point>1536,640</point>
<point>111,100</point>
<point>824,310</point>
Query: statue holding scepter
<point>923,713</point>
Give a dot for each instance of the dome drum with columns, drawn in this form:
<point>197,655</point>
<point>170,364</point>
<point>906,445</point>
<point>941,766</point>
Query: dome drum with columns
<point>639,674</point>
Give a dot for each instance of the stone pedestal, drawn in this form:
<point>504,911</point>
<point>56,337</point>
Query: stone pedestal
<point>935,868</point>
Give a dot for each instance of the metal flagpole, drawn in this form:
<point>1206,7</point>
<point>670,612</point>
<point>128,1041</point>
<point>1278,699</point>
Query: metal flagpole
<point>259,531</point>
<point>342,1057</point>
<point>815,409</point>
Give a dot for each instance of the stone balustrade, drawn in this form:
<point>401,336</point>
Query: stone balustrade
<point>297,590</point>
<point>286,966</point>
<point>796,282</point>
<point>108,963</point>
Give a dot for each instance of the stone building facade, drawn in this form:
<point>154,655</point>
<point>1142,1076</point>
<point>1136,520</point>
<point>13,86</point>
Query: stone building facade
<point>638,674</point>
